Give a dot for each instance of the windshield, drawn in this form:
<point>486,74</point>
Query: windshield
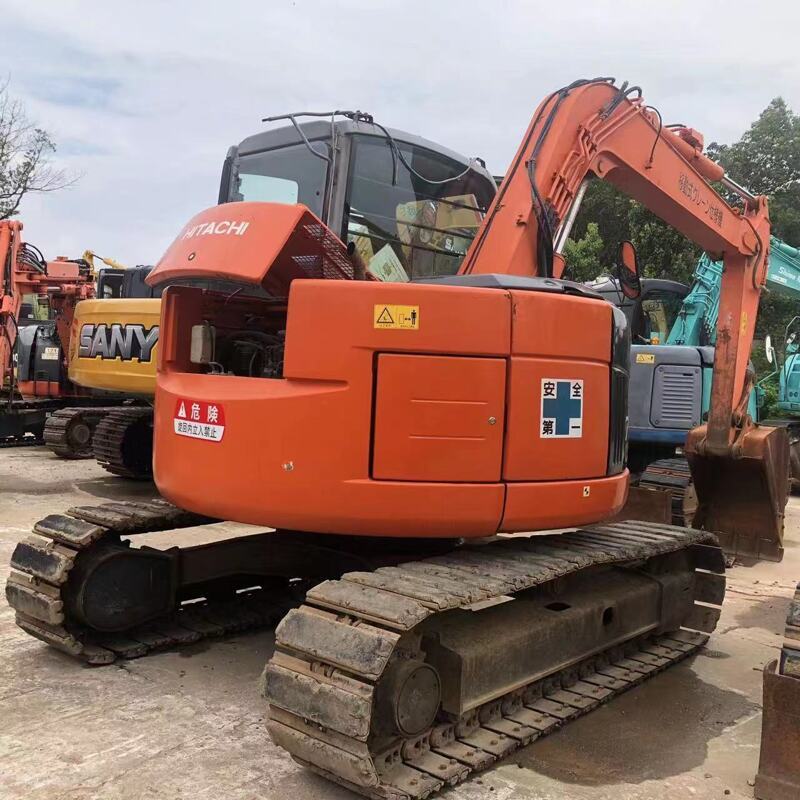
<point>32,309</point>
<point>285,175</point>
<point>650,318</point>
<point>410,228</point>
<point>659,312</point>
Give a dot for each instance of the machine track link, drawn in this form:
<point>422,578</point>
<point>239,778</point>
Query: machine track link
<point>26,441</point>
<point>22,421</point>
<point>338,656</point>
<point>123,443</point>
<point>673,474</point>
<point>41,565</point>
<point>68,432</point>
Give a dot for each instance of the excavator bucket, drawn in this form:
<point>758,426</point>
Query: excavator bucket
<point>741,497</point>
<point>779,765</point>
<point>648,505</point>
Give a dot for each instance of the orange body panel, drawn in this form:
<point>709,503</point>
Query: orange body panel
<point>544,345</point>
<point>326,448</point>
<point>562,504</point>
<point>439,418</point>
<point>267,244</point>
<point>528,456</point>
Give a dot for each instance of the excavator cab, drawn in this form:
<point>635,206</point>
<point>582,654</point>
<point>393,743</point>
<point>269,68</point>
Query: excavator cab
<point>652,313</point>
<point>366,184</point>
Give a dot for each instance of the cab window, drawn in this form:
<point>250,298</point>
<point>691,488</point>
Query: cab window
<point>659,312</point>
<point>284,175</point>
<point>32,309</point>
<point>409,228</point>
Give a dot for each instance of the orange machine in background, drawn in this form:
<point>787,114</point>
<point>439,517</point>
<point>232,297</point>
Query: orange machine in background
<point>37,304</point>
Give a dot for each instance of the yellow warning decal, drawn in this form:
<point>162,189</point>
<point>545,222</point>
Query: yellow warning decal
<point>645,358</point>
<point>405,318</point>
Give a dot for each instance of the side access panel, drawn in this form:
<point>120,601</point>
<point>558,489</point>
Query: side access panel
<point>666,389</point>
<point>439,418</point>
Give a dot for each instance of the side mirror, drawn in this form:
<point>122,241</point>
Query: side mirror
<point>769,350</point>
<point>628,271</point>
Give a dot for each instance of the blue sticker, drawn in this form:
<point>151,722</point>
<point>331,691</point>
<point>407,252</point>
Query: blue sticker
<point>562,409</point>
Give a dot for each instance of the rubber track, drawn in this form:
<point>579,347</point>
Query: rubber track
<point>23,405</point>
<point>110,436</point>
<point>57,426</point>
<point>28,441</point>
<point>40,571</point>
<point>331,653</point>
<point>675,475</point>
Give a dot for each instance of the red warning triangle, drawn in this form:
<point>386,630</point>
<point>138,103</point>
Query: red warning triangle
<point>182,411</point>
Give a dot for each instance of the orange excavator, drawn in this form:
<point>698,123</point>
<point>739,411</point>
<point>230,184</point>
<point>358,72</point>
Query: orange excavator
<point>37,304</point>
<point>390,431</point>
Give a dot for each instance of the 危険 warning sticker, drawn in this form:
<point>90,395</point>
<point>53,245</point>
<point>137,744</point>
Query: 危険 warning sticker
<point>199,420</point>
<point>405,318</point>
<point>562,409</point>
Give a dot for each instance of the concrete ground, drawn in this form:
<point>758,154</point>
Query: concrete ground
<point>191,723</point>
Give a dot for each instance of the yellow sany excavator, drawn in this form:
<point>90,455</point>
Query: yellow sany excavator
<point>113,347</point>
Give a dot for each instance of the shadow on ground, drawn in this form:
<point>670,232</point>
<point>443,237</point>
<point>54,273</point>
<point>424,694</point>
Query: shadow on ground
<point>115,488</point>
<point>653,732</point>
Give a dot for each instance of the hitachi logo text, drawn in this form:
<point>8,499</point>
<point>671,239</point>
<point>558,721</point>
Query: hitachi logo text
<point>223,228</point>
<point>118,341</point>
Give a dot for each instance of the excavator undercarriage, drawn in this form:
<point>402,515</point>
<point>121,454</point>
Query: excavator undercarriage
<point>119,437</point>
<point>383,679</point>
<point>386,681</point>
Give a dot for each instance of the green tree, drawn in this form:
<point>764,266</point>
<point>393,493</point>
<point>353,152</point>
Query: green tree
<point>583,256</point>
<point>608,208</point>
<point>662,251</point>
<point>25,152</point>
<point>767,161</point>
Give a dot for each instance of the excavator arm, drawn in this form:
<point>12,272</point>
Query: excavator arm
<point>9,298</point>
<point>594,127</point>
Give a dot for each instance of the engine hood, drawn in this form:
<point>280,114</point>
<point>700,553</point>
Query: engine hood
<point>262,244</point>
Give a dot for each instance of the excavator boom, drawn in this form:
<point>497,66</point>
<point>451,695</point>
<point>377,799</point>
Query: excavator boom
<point>595,127</point>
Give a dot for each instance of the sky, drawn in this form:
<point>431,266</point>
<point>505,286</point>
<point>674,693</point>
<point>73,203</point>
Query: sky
<point>144,98</point>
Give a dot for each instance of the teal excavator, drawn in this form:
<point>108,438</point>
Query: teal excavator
<point>672,357</point>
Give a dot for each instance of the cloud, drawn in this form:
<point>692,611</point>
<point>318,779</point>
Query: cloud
<point>144,99</point>
<point>75,91</point>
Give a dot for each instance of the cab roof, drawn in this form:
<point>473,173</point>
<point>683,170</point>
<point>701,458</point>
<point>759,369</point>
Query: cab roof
<point>320,129</point>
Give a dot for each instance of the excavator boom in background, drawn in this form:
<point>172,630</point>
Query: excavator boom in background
<point>377,424</point>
